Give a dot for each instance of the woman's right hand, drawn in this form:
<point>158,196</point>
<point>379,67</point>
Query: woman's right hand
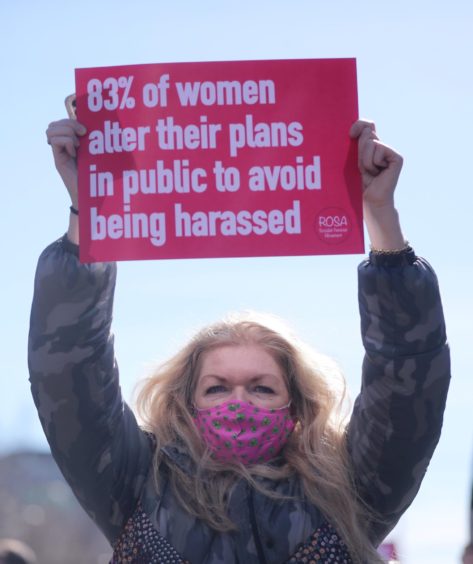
<point>64,138</point>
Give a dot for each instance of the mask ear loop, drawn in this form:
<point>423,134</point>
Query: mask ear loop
<point>292,411</point>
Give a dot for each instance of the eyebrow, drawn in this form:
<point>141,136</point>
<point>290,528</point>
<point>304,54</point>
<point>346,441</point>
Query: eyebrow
<point>252,379</point>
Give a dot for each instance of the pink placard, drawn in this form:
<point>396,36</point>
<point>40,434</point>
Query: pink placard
<point>220,159</point>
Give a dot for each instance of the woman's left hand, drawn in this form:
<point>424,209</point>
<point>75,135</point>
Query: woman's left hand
<point>380,167</point>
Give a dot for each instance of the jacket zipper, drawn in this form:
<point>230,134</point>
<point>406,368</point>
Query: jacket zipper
<point>254,528</point>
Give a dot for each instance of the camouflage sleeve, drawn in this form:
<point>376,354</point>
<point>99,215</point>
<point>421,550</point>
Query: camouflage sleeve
<point>92,433</point>
<point>398,414</point>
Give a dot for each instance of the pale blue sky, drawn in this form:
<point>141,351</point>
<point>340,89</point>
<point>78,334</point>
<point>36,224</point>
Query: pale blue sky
<point>414,79</point>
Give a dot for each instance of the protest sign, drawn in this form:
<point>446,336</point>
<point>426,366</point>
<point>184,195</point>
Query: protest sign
<point>220,159</point>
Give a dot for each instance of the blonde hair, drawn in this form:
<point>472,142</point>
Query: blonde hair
<point>316,450</point>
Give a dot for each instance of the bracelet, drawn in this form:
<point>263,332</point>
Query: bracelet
<point>74,210</point>
<point>404,249</point>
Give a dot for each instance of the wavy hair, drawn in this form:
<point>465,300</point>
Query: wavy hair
<point>316,450</point>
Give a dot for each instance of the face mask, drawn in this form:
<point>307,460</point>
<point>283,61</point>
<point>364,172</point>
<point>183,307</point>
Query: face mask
<point>240,432</point>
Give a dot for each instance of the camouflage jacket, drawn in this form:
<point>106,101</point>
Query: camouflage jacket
<point>107,458</point>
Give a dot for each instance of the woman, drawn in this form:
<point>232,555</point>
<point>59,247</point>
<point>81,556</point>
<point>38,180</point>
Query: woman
<point>243,456</point>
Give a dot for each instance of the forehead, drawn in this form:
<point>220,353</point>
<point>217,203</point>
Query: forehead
<point>239,361</point>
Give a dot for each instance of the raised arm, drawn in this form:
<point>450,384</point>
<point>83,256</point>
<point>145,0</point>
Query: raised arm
<point>93,435</point>
<point>397,417</point>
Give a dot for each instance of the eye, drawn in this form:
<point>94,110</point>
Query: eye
<point>217,389</point>
<point>263,390</point>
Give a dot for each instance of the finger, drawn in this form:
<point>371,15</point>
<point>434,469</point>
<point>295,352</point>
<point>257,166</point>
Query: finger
<point>60,134</point>
<point>78,127</point>
<point>366,151</point>
<point>58,141</point>
<point>64,144</point>
<point>385,156</point>
<point>379,156</point>
<point>65,127</point>
<point>357,128</point>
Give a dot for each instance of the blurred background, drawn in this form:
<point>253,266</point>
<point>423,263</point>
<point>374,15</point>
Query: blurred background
<point>414,79</point>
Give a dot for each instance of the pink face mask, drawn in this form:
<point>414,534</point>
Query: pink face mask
<point>240,432</point>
